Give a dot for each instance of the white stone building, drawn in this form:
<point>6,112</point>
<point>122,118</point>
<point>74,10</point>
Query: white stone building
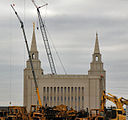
<point>77,91</point>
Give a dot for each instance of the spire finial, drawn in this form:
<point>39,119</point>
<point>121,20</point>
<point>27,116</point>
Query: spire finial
<point>96,35</point>
<point>33,44</point>
<point>96,50</point>
<point>33,26</point>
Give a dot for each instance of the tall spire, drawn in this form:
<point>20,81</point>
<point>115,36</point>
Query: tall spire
<point>96,66</point>
<point>96,50</point>
<point>33,44</point>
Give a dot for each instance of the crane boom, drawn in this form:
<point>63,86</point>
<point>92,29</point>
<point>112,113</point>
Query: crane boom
<point>45,39</point>
<point>33,72</point>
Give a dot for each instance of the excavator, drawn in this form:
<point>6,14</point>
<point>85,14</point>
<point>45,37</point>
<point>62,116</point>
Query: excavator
<point>117,113</point>
<point>123,101</point>
<point>113,113</point>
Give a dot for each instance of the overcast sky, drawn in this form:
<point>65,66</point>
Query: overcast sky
<point>72,25</point>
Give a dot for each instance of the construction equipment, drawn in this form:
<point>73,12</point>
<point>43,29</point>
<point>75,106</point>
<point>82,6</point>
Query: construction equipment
<point>60,111</point>
<point>123,101</point>
<point>64,113</point>
<point>116,114</point>
<point>33,72</point>
<point>45,39</point>
<point>96,114</point>
<point>3,115</point>
<point>82,115</point>
<point>71,114</point>
<point>17,113</point>
<point>111,98</point>
<point>38,112</point>
<point>50,113</point>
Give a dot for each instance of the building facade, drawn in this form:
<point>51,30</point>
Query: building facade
<point>76,91</point>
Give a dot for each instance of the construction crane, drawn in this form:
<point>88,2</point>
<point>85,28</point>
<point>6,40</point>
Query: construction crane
<point>33,72</point>
<point>45,39</point>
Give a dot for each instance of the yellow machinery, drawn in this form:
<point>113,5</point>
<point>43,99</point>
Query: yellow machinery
<point>60,111</point>
<point>71,113</point>
<point>17,113</point>
<point>14,113</point>
<point>111,98</point>
<point>123,101</point>
<point>116,114</point>
<point>63,112</point>
<point>96,114</point>
<point>82,119</point>
<point>36,113</point>
<point>82,115</point>
<point>3,115</point>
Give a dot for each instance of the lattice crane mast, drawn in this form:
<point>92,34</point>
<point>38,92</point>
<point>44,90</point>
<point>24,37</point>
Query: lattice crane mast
<point>33,72</point>
<point>45,39</point>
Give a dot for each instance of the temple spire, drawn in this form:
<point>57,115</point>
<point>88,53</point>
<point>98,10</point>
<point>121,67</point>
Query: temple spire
<point>96,49</point>
<point>33,44</point>
<point>96,66</point>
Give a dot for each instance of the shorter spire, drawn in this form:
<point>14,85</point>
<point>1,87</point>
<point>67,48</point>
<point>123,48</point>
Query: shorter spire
<point>96,49</point>
<point>33,44</point>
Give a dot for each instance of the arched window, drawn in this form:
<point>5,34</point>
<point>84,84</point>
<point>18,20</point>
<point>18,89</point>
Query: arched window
<point>33,56</point>
<point>97,58</point>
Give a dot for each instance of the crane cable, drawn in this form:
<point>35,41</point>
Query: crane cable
<point>10,61</point>
<point>63,67</point>
<point>24,19</point>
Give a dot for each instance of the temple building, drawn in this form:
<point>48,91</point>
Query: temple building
<point>76,91</point>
